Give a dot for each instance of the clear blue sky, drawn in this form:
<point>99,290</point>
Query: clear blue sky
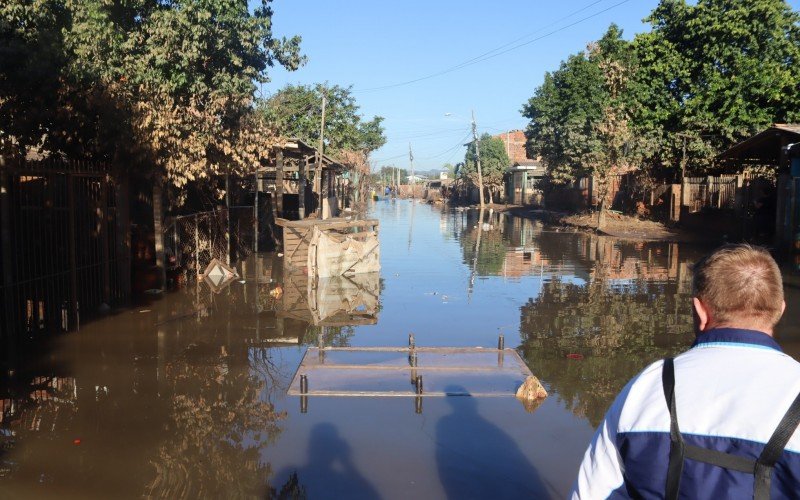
<point>377,43</point>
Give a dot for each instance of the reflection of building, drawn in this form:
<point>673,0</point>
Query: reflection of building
<point>337,301</point>
<point>31,412</point>
<point>617,261</point>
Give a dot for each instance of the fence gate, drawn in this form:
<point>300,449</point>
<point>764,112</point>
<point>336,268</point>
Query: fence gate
<point>63,246</point>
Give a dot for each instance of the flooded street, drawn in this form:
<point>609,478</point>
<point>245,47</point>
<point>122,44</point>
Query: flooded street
<point>186,397</point>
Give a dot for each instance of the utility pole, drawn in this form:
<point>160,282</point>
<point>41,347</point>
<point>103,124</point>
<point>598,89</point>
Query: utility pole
<point>411,179</point>
<point>683,158</point>
<point>477,158</point>
<point>320,152</point>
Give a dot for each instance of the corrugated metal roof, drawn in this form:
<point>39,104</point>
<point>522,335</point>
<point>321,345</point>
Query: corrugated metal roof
<point>789,127</point>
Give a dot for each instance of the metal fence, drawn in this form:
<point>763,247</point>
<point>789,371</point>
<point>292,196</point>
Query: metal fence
<point>193,241</point>
<point>63,247</point>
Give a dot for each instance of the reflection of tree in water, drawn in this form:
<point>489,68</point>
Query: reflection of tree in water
<point>618,329</point>
<point>332,336</point>
<point>491,246</point>
<point>217,424</point>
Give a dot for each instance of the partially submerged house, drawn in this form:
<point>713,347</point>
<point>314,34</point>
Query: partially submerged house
<point>296,177</point>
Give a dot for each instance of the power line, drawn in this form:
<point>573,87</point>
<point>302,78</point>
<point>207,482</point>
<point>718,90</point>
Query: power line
<point>494,52</point>
<point>431,134</point>
<point>459,144</point>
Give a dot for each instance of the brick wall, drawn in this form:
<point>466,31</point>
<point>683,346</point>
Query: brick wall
<point>515,145</point>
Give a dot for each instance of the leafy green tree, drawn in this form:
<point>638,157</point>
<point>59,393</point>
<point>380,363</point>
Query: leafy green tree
<point>296,111</point>
<point>563,114</point>
<point>31,50</point>
<point>719,70</point>
<point>494,162</point>
<point>579,116</point>
<point>612,133</point>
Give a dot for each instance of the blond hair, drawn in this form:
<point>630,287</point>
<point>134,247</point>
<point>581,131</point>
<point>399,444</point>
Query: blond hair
<point>741,285</point>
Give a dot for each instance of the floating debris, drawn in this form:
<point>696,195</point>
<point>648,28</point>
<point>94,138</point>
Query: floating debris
<point>531,393</point>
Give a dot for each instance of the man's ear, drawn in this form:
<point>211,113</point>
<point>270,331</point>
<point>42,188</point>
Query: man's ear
<point>702,313</point>
<point>783,307</point>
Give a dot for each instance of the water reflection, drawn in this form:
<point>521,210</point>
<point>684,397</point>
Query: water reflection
<point>336,301</point>
<point>187,396</point>
<point>587,337</point>
<point>175,398</point>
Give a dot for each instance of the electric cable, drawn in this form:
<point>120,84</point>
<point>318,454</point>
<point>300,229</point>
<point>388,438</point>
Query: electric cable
<point>493,53</point>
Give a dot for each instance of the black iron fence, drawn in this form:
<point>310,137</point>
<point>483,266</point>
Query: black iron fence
<point>64,247</point>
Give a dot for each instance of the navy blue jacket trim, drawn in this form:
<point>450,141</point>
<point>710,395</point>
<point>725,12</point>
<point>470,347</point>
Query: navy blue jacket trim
<point>736,336</point>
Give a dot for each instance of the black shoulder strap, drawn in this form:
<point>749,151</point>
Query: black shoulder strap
<point>774,449</point>
<point>676,449</point>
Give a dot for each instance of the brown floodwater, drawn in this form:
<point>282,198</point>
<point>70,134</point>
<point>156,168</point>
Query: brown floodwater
<point>186,396</point>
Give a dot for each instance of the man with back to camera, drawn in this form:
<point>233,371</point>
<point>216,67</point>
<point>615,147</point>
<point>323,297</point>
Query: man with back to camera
<point>720,420</point>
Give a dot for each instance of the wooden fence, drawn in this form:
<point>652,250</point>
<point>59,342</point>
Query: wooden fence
<point>711,192</point>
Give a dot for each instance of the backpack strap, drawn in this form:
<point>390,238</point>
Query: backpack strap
<point>774,449</point>
<point>677,446</point>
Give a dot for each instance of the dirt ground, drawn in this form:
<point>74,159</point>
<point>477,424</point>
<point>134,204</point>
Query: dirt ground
<point>618,225</point>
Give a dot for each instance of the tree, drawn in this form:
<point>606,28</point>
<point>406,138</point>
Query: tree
<point>719,70</point>
<point>579,116</point>
<point>169,84</point>
<point>494,162</point>
<point>296,110</point>
<point>611,134</point>
<point>563,114</point>
<point>390,174</point>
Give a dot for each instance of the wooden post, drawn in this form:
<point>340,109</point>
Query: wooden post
<point>477,158</point>
<point>228,219</point>
<point>196,246</point>
<point>323,194</point>
<point>301,191</point>
<point>255,213</point>
<point>318,182</point>
<point>158,227</point>
<point>279,183</point>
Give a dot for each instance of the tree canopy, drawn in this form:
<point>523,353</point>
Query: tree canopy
<point>494,162</point>
<point>167,83</point>
<point>709,74</point>
<point>578,111</point>
<point>296,111</point>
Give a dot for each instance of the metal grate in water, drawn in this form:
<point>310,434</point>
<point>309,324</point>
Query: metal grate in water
<point>409,372</point>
